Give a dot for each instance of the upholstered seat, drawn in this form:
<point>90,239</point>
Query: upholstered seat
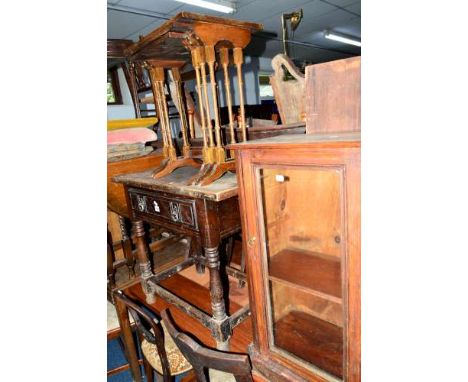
<point>177,362</point>
<point>112,320</point>
<point>221,376</point>
<point>113,327</point>
<point>160,353</point>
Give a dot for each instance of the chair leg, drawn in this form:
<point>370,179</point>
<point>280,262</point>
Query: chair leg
<point>197,251</point>
<point>242,266</point>
<point>110,262</point>
<point>148,370</point>
<point>229,249</point>
<point>200,373</point>
<point>128,341</point>
<point>146,365</point>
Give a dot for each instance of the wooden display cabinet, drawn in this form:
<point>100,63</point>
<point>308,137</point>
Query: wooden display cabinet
<point>300,208</point>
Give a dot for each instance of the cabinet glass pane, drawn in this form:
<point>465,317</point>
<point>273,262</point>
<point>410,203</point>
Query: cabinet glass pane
<point>302,216</point>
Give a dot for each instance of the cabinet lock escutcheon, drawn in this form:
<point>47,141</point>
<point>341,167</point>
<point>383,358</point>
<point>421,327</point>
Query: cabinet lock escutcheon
<point>251,241</point>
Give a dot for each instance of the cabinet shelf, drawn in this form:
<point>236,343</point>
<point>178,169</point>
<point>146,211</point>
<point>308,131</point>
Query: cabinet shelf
<point>319,274</point>
<point>314,340</point>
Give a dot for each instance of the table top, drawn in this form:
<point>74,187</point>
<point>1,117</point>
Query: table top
<point>166,41</point>
<point>221,189</point>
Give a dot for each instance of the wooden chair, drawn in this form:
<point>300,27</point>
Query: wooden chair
<point>201,358</point>
<point>114,332</point>
<point>160,353</point>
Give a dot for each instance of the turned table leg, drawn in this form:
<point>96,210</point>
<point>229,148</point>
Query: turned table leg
<point>221,327</point>
<point>127,247</point>
<point>144,260</point>
<point>110,266</point>
<point>196,250</point>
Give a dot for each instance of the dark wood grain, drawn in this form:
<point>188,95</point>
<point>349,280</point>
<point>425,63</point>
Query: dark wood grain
<point>311,339</point>
<point>207,215</point>
<point>166,40</point>
<point>176,183</point>
<point>116,47</point>
<point>202,358</point>
<point>200,297</point>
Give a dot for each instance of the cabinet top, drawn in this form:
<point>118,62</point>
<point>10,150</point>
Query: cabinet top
<point>341,139</point>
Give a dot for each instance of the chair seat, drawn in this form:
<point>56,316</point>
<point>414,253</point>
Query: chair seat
<point>220,376</point>
<point>112,320</point>
<point>178,364</point>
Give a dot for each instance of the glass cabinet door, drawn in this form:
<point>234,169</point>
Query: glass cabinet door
<point>302,215</point>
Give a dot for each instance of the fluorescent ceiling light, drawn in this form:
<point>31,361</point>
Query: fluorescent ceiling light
<point>341,38</point>
<point>215,5</point>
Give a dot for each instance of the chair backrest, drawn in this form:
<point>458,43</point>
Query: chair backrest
<point>290,94</point>
<point>202,358</point>
<point>143,316</point>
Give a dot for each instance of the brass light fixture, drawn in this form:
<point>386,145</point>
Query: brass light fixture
<point>294,18</point>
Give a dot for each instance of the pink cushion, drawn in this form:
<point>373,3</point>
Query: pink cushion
<point>131,135</point>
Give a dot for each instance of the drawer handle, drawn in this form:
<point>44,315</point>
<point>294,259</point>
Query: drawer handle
<point>141,203</point>
<point>156,206</point>
<point>251,241</point>
<point>175,212</point>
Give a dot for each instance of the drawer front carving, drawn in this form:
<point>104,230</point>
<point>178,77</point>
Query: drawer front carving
<point>178,211</point>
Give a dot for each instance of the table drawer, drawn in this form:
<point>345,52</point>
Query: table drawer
<point>174,210</point>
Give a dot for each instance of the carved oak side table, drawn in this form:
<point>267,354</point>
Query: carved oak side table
<point>206,214</point>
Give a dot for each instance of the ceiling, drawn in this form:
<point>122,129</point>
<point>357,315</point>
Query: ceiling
<point>128,19</point>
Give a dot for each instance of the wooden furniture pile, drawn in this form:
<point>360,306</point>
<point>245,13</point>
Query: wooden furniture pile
<point>296,198</point>
<point>204,41</point>
<point>206,215</point>
<point>207,42</point>
<point>173,198</point>
<point>119,247</point>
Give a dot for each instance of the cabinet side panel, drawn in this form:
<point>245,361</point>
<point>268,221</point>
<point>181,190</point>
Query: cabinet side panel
<point>353,191</point>
<point>333,96</point>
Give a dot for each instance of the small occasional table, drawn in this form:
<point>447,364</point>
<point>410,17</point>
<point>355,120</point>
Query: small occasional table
<point>206,214</point>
